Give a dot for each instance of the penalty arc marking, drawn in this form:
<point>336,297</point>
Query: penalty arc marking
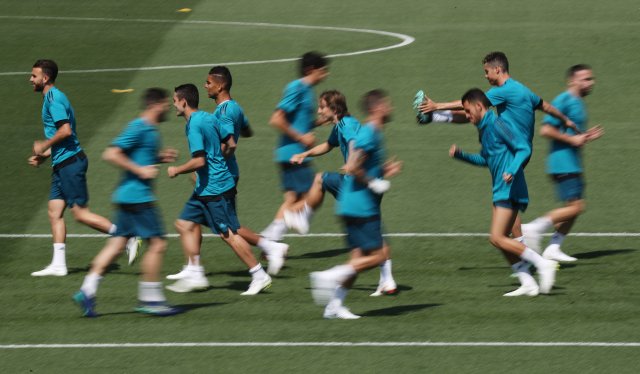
<point>404,40</point>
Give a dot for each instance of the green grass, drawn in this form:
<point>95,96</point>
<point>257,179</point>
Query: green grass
<point>450,287</point>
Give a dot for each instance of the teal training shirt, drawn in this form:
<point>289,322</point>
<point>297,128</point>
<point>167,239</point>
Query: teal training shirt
<point>203,135</point>
<point>298,104</point>
<point>503,151</point>
<point>516,105</point>
<point>56,111</point>
<point>343,133</point>
<point>565,158</point>
<point>232,121</point>
<point>356,199</point>
<point>140,141</point>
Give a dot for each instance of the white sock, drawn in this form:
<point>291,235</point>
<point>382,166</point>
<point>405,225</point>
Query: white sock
<point>257,272</point>
<point>524,276</point>
<point>385,272</point>
<point>194,261</point>
<point>557,238</point>
<point>307,211</point>
<point>338,297</point>
<point>519,239</point>
<point>541,224</point>
<point>341,272</point>
<point>265,245</point>
<point>196,270</point>
<point>533,257</point>
<point>150,292</point>
<point>112,229</point>
<point>59,257</point>
<point>442,116</point>
<point>90,284</point>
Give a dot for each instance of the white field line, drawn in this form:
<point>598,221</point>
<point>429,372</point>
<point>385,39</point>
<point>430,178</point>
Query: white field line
<point>333,235</point>
<point>404,40</point>
<point>321,344</point>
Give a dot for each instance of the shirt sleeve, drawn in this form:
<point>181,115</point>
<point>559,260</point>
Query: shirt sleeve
<point>227,127</point>
<point>333,137</point>
<point>548,119</point>
<point>365,141</point>
<point>58,112</point>
<point>128,139</point>
<point>517,144</point>
<point>471,158</point>
<point>496,96</point>
<point>195,139</point>
<point>290,99</point>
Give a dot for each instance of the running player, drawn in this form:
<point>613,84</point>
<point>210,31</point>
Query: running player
<point>137,151</point>
<point>70,164</point>
<point>564,163</point>
<point>359,207</point>
<point>294,119</point>
<point>212,199</point>
<point>505,151</point>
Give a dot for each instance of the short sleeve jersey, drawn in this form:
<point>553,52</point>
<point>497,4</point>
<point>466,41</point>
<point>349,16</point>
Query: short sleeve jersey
<point>140,142</point>
<point>203,135</point>
<point>232,121</point>
<point>516,105</point>
<point>56,111</point>
<point>298,104</point>
<point>343,133</point>
<point>564,158</point>
<point>356,199</point>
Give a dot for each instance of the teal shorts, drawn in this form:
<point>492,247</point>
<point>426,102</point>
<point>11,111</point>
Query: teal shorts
<point>216,212</point>
<point>332,183</point>
<point>569,187</point>
<point>297,178</point>
<point>143,220</point>
<point>69,181</point>
<point>364,232</point>
<point>510,204</point>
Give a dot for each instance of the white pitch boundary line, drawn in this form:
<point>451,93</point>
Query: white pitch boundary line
<point>405,40</point>
<point>322,344</point>
<point>334,235</point>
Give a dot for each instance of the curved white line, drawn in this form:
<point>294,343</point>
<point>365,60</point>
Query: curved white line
<point>405,40</point>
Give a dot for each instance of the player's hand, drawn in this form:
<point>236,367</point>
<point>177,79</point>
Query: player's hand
<point>308,139</point>
<point>379,186</point>
<point>392,167</point>
<point>147,172</point>
<point>427,106</point>
<point>172,171</point>
<point>594,133</point>
<point>168,155</point>
<point>35,161</point>
<point>570,124</point>
<point>508,178</point>
<point>297,158</point>
<point>39,147</point>
<point>579,140</point>
<point>453,150</point>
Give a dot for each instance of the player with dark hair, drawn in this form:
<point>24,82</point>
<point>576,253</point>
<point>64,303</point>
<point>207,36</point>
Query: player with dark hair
<point>294,119</point>
<point>564,163</point>
<point>505,150</point>
<point>69,163</point>
<point>137,151</point>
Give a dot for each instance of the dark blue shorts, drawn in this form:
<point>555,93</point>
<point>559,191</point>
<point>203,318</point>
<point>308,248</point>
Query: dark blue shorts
<point>332,183</point>
<point>143,220</point>
<point>218,213</point>
<point>364,232</point>
<point>510,204</point>
<point>297,178</point>
<point>69,181</point>
<point>569,187</point>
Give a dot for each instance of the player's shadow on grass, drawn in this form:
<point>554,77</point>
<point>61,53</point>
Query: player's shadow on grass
<point>110,269</point>
<point>185,308</point>
<point>398,310</point>
<point>602,253</point>
<point>321,254</point>
<point>400,288</point>
<point>240,286</point>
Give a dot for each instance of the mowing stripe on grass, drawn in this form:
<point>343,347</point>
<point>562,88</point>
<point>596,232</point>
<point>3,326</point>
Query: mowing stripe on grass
<point>323,344</point>
<point>334,235</point>
<point>404,40</point>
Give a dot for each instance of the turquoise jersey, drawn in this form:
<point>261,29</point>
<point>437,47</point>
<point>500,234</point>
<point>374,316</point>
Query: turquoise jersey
<point>516,105</point>
<point>298,104</point>
<point>342,133</point>
<point>564,158</point>
<point>232,121</point>
<point>140,141</point>
<point>356,199</point>
<point>503,151</point>
<point>203,135</point>
<point>56,111</point>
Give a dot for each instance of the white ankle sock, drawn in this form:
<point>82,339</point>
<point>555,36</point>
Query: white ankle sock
<point>257,272</point>
<point>59,256</point>
<point>150,292</point>
<point>533,257</point>
<point>90,284</point>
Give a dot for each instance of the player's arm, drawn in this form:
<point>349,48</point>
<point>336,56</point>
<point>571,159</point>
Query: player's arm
<point>318,150</point>
<point>470,158</point>
<point>519,146</point>
<point>246,132</point>
<point>116,156</point>
<point>429,105</point>
<point>37,160</point>
<point>197,161</point>
<point>355,166</point>
<point>63,131</point>
<point>279,121</point>
<point>553,111</point>
<point>228,147</point>
<point>167,155</point>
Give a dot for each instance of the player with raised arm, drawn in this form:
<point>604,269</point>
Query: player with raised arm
<point>137,151</point>
<point>504,150</point>
<point>69,163</point>
<point>564,163</point>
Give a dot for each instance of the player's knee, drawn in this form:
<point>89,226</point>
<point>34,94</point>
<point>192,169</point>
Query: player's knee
<point>496,240</point>
<point>318,178</point>
<point>157,247</point>
<point>581,206</point>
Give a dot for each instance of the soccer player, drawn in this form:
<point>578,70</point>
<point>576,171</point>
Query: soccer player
<point>564,163</point>
<point>332,108</point>
<point>137,151</point>
<point>70,164</point>
<point>212,200</point>
<point>505,150</point>
<point>294,119</point>
<point>359,207</point>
